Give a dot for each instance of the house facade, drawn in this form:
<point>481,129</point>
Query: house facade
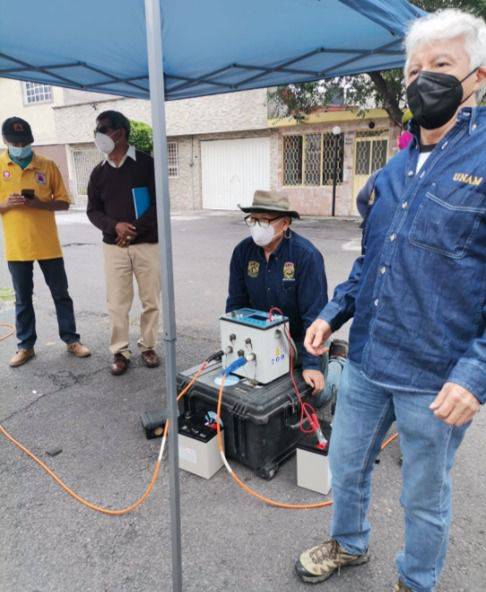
<point>221,148</point>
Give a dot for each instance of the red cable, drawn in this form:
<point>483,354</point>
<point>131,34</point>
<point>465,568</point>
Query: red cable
<point>305,408</point>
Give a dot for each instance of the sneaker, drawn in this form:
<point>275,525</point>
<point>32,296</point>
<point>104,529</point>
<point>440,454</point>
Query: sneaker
<point>21,357</point>
<point>400,587</point>
<point>319,563</point>
<point>78,350</point>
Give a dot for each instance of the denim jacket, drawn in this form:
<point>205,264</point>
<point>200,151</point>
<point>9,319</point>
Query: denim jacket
<point>418,292</point>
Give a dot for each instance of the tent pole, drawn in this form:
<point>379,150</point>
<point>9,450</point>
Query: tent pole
<point>157,97</point>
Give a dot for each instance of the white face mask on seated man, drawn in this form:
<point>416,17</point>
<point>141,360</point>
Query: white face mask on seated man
<point>265,230</point>
<point>262,235</point>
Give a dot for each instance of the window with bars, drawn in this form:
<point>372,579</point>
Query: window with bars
<point>333,150</point>
<point>173,158</point>
<point>37,93</point>
<point>292,160</point>
<point>308,159</point>
<point>84,161</point>
<point>371,155</point>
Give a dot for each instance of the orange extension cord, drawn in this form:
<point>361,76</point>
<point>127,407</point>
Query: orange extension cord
<point>10,331</point>
<point>251,491</point>
<point>155,474</point>
<point>86,502</point>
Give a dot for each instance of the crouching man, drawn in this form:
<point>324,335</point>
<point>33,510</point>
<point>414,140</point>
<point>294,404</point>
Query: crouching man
<point>276,267</point>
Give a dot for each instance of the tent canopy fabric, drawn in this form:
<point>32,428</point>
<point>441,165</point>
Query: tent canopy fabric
<point>210,46</point>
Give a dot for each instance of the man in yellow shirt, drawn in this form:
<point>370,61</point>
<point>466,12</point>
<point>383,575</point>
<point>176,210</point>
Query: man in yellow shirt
<point>31,190</point>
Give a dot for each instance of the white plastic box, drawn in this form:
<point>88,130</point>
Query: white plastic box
<point>197,456</point>
<point>247,331</point>
<point>313,470</point>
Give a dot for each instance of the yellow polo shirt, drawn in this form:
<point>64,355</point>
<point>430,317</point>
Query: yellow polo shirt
<point>31,234</point>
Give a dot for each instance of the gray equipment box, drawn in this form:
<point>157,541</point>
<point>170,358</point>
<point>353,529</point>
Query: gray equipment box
<point>247,331</point>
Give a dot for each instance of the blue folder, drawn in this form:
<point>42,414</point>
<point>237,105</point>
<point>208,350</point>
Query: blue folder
<point>141,200</point>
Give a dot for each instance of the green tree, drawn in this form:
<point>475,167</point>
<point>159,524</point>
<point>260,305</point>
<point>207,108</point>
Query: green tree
<point>384,89</point>
<point>141,136</point>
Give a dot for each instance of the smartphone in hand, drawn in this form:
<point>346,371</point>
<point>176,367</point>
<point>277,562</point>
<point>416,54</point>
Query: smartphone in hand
<point>28,193</point>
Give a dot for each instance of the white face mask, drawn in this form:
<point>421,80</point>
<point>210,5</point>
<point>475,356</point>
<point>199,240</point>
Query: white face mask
<point>262,236</point>
<point>104,143</point>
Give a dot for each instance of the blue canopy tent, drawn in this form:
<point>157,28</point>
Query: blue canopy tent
<point>209,47</point>
<point>174,49</point>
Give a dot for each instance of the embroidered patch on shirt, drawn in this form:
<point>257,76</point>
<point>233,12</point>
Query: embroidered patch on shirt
<point>289,271</point>
<point>253,268</point>
<point>40,178</point>
<point>468,179</point>
<point>6,174</point>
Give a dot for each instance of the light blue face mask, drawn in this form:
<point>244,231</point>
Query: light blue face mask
<point>20,152</point>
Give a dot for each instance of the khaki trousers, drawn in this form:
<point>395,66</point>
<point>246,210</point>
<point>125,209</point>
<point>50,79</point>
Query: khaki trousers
<point>121,264</point>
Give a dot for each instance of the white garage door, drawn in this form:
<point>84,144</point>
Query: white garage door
<point>232,170</point>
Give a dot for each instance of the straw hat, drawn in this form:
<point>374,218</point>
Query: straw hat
<point>270,201</point>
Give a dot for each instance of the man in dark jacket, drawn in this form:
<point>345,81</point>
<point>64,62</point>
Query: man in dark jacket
<point>121,203</point>
<point>276,267</point>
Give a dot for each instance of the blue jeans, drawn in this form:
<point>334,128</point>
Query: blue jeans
<point>364,413</point>
<point>23,282</point>
<point>332,368</point>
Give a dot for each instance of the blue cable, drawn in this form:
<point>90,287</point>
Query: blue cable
<point>241,361</point>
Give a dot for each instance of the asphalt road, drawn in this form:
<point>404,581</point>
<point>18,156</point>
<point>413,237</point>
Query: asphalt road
<point>231,542</point>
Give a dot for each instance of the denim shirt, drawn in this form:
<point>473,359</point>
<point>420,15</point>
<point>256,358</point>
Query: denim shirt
<point>293,280</point>
<point>418,292</point>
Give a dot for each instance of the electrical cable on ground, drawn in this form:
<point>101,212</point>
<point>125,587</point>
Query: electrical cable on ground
<point>306,409</point>
<point>10,331</point>
<point>252,492</point>
<point>87,503</point>
<point>148,490</point>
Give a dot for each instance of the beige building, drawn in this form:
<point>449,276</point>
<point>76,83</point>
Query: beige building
<point>221,148</point>
<point>36,103</point>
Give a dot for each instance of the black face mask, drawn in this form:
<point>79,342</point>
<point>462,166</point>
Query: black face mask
<point>434,97</point>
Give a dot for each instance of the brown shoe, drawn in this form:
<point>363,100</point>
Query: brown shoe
<point>78,350</point>
<point>400,587</point>
<point>120,365</point>
<point>21,357</point>
<point>150,358</point>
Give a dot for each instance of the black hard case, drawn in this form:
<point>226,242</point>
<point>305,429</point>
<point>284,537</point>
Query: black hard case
<point>260,423</point>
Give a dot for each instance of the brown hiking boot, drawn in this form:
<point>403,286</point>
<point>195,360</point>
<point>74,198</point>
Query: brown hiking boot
<point>319,563</point>
<point>78,350</point>
<point>400,587</point>
<point>21,357</point>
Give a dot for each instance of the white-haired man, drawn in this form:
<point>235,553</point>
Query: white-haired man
<point>418,298</point>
